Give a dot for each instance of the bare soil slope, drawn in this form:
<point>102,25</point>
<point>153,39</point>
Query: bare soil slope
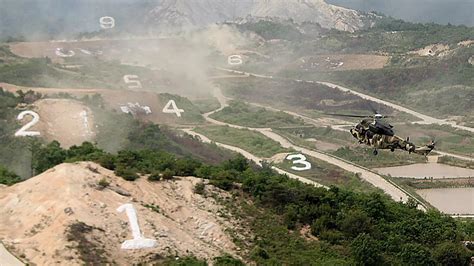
<point>63,215</point>
<point>68,121</point>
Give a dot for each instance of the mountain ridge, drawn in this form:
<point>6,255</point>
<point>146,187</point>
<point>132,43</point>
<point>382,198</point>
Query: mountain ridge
<point>183,13</point>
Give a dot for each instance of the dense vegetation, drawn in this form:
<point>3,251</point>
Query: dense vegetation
<point>7,177</point>
<point>14,152</point>
<point>352,228</point>
<point>272,30</point>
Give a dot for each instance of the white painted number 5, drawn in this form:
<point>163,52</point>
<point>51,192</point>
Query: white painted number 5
<point>22,132</point>
<point>138,241</point>
<point>171,108</point>
<point>301,159</point>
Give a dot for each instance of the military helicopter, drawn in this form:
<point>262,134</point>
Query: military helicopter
<point>376,132</point>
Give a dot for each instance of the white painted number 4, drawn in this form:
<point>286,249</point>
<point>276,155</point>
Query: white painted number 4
<point>301,159</point>
<point>171,108</point>
<point>138,241</point>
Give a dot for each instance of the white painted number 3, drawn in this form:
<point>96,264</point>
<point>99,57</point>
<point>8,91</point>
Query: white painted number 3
<point>171,108</point>
<point>138,241</point>
<point>22,132</point>
<point>300,159</point>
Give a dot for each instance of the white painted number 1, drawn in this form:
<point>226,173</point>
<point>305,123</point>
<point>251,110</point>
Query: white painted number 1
<point>22,132</point>
<point>138,241</point>
<point>301,159</point>
<point>173,110</point>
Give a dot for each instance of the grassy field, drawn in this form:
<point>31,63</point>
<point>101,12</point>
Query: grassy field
<point>328,174</point>
<point>239,113</point>
<point>325,134</point>
<point>447,138</point>
<point>206,105</point>
<point>456,162</point>
<point>362,155</point>
<point>191,114</point>
<point>250,141</point>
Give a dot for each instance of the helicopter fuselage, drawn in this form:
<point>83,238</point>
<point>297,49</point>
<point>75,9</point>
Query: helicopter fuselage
<point>380,135</point>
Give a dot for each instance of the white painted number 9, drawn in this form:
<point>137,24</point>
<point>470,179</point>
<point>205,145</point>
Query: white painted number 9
<point>22,132</point>
<point>107,22</point>
<point>301,159</point>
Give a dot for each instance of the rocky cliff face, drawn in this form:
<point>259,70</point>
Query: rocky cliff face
<point>179,13</point>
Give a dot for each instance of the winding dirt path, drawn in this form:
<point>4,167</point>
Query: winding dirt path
<point>255,159</point>
<point>394,191</point>
<point>425,118</point>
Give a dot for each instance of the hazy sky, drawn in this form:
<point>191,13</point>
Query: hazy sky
<point>439,11</point>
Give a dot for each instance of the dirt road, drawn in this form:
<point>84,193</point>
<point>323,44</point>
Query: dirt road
<point>425,118</point>
<point>378,181</point>
<point>253,158</point>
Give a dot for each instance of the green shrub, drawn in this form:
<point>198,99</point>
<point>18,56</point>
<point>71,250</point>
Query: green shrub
<point>128,174</point>
<point>103,183</point>
<point>168,174</point>
<point>200,188</point>
<point>8,178</point>
<point>155,176</point>
<point>227,260</point>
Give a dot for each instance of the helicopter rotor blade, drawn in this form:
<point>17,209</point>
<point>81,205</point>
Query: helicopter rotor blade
<point>372,108</point>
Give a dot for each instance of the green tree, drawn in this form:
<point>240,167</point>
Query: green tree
<point>168,174</point>
<point>8,178</point>
<point>366,250</point>
<point>47,157</point>
<point>416,254</point>
<point>355,222</point>
<point>449,253</point>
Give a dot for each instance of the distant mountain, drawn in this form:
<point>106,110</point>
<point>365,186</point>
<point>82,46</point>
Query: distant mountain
<point>46,19</point>
<point>172,13</point>
<point>456,12</point>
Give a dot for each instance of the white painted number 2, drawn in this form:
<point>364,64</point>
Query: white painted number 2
<point>107,22</point>
<point>300,159</point>
<point>132,81</point>
<point>138,241</point>
<point>234,60</point>
<point>171,108</point>
<point>22,132</point>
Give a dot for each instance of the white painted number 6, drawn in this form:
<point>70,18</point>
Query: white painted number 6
<point>173,110</point>
<point>107,22</point>
<point>234,60</point>
<point>22,132</point>
<point>301,159</point>
<point>138,241</point>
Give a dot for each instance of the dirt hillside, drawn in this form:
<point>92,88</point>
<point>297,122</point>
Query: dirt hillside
<point>64,215</point>
<point>68,121</point>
